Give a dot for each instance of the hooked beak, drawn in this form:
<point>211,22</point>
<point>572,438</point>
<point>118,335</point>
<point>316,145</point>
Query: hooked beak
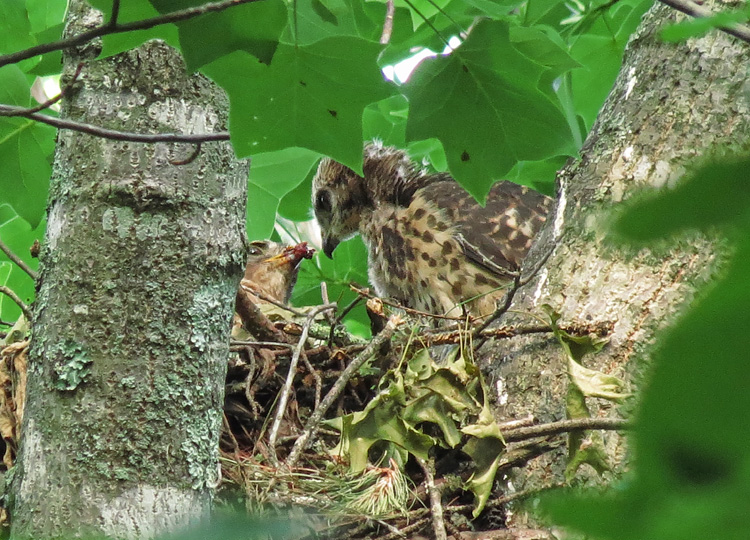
<point>329,244</point>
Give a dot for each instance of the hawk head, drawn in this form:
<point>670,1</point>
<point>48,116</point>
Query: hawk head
<point>340,196</point>
<point>272,268</point>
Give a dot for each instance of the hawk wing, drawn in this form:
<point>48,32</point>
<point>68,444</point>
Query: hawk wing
<point>497,236</point>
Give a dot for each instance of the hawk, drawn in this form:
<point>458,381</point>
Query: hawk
<point>272,268</point>
<point>431,246</point>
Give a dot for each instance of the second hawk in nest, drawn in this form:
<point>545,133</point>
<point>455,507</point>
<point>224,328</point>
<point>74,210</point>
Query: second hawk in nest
<point>431,246</point>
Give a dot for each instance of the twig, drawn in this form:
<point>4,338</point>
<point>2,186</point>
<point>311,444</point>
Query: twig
<point>270,300</point>
<point>316,378</point>
<point>287,388</point>
<point>13,296</point>
<point>313,423</point>
<point>16,259</point>
<point>112,134</point>
<point>254,320</point>
<point>238,343</point>
<point>390,10</point>
<point>493,503</point>
<point>188,159</point>
<point>565,426</point>
<point>518,282</point>
<point>115,14</point>
<point>738,30</point>
<point>436,505</point>
<point>116,28</point>
<point>51,101</point>
<point>405,531</point>
<point>411,311</point>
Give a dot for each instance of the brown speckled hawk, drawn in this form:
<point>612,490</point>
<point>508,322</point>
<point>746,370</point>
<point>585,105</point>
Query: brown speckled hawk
<point>431,245</point>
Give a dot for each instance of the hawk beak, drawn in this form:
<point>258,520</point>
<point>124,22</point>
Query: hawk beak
<point>329,244</point>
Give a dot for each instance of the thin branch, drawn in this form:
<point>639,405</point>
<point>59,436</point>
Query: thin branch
<point>738,30</point>
<point>518,282</point>
<point>115,14</point>
<point>565,426</point>
<point>239,343</point>
<point>13,296</point>
<point>411,311</point>
<point>436,505</point>
<point>273,301</point>
<point>116,28</point>
<point>287,389</point>
<point>16,259</point>
<point>313,424</point>
<point>105,133</point>
<point>188,159</point>
<point>390,10</point>
<point>500,501</point>
<point>51,101</point>
<point>253,319</point>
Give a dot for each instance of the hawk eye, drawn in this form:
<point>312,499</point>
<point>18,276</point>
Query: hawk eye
<point>323,201</point>
<point>257,247</point>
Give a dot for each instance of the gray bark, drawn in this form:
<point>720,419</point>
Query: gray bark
<point>139,272</point>
<point>672,106</point>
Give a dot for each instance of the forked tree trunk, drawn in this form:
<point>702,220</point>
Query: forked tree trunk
<point>139,272</point>
<point>672,106</point>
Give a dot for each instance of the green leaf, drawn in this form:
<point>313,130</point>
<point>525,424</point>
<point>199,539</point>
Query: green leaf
<point>50,63</point>
<point>717,195</point>
<point>15,29</point>
<point>130,11</point>
<point>45,14</point>
<point>319,19</point>
<point>295,205</point>
<point>385,120</point>
<point>486,91</point>
<point>19,236</point>
<point>698,26</point>
<point>545,47</point>
<point>311,97</point>
<point>350,265</point>
<point>273,175</point>
<point>380,421</point>
<point>485,448</point>
<point>599,50</point>
<point>254,27</point>
<point>26,149</point>
<point>539,175</point>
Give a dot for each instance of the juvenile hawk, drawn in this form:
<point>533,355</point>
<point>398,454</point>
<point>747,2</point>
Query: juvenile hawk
<point>431,245</point>
<point>272,268</point>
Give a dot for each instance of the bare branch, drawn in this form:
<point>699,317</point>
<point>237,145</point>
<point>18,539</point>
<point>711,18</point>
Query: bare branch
<point>286,390</point>
<point>105,133</point>
<point>51,101</point>
<point>13,296</point>
<point>740,31</point>
<point>113,27</point>
<point>565,426</point>
<point>436,505</point>
<point>390,10</point>
<point>16,259</point>
<point>311,428</point>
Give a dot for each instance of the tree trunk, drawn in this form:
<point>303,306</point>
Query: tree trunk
<point>671,104</point>
<point>138,278</point>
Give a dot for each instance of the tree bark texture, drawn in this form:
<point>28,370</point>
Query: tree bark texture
<point>672,107</point>
<point>140,268</point>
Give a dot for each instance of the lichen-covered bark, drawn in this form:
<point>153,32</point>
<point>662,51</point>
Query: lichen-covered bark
<point>671,104</point>
<point>140,267</point>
